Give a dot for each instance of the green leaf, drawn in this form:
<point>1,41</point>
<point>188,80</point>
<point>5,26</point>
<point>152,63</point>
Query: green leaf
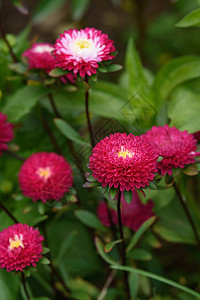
<point>79,7</point>
<point>184,107</point>
<point>133,281</point>
<point>172,236</point>
<point>45,8</point>
<point>159,278</point>
<point>109,247</point>
<point>100,249</point>
<point>89,184</point>
<point>40,298</point>
<point>128,196</point>
<point>45,250</point>
<point>113,193</point>
<point>20,6</point>
<point>114,68</point>
<point>136,78</point>
<point>140,254</point>
<point>57,72</point>
<point>65,246</point>
<point>89,219</point>
<point>18,68</point>
<point>140,232</point>
<point>44,261</point>
<point>69,132</point>
<point>79,284</point>
<point>191,20</point>
<point>173,74</point>
<point>9,285</point>
<point>22,101</point>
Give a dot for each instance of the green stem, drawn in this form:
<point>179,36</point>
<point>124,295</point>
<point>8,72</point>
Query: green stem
<point>123,249</point>
<point>8,213</point>
<point>87,113</point>
<point>24,286</point>
<point>15,155</point>
<point>187,212</point>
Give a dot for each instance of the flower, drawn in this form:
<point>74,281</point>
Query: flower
<point>6,132</point>
<point>176,147</point>
<point>40,56</point>
<point>45,176</point>
<point>80,51</point>
<point>20,246</point>
<point>125,162</point>
<point>133,215</point>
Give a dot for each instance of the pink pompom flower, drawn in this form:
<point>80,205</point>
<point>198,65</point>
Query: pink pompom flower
<point>6,132</point>
<point>133,215</point>
<point>40,56</point>
<point>45,176</point>
<point>178,148</point>
<point>20,247</point>
<point>125,162</point>
<point>80,51</point>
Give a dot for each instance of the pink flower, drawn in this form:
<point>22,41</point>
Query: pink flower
<point>80,51</point>
<point>133,215</point>
<point>40,56</point>
<point>125,162</point>
<point>176,147</point>
<point>6,132</point>
<point>20,246</point>
<point>45,176</point>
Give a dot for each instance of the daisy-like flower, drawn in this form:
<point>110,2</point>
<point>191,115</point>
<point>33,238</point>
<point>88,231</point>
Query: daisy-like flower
<point>40,56</point>
<point>178,148</point>
<point>6,132</point>
<point>20,247</point>
<point>80,51</point>
<point>133,215</point>
<point>125,162</point>
<point>45,176</point>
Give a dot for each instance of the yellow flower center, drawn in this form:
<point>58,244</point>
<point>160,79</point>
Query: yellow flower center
<point>44,173</point>
<point>83,44</point>
<point>124,153</point>
<point>16,242</point>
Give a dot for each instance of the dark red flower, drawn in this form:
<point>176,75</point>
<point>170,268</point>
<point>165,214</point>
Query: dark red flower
<point>125,162</point>
<point>45,176</point>
<point>20,246</point>
<point>178,148</point>
<point>6,132</point>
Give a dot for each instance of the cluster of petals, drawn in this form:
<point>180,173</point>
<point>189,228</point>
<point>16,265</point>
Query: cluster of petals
<point>6,132</point>
<point>20,247</point>
<point>178,148</point>
<point>45,176</point>
<point>133,215</point>
<point>125,162</point>
<point>40,56</point>
<point>80,51</point>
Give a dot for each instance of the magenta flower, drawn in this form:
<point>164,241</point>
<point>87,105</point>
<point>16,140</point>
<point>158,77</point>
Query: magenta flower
<point>80,51</point>
<point>6,132</point>
<point>45,176</point>
<point>20,246</point>
<point>133,215</point>
<point>40,56</point>
<point>125,162</point>
<point>178,148</point>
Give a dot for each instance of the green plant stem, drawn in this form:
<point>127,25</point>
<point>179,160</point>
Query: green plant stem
<point>187,212</point>
<point>56,112</point>
<point>15,155</point>
<point>12,54</point>
<point>87,112</point>
<point>50,134</point>
<point>123,249</point>
<point>24,286</point>
<point>8,213</point>
<point>53,269</point>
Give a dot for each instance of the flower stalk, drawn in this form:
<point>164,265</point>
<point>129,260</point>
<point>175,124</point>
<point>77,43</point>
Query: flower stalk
<point>123,250</point>
<point>87,112</point>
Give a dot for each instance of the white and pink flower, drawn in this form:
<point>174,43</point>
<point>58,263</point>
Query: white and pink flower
<point>80,51</point>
